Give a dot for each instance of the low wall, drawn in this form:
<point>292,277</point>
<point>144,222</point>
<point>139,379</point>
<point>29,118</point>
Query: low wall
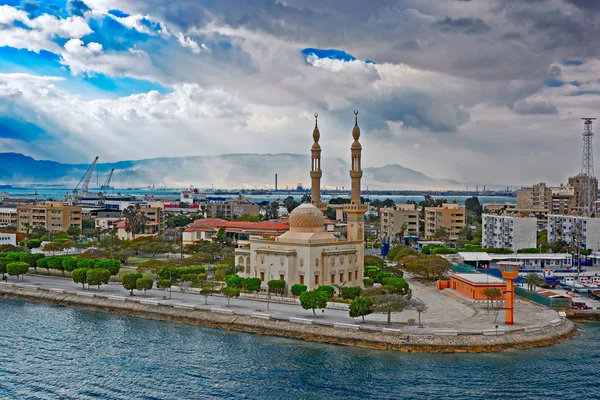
<point>444,341</point>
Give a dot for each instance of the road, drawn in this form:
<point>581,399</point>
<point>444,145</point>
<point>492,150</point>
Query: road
<point>445,311</point>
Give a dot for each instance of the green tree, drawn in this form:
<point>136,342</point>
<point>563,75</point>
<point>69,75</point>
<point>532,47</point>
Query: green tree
<point>328,290</point>
<point>473,207</point>
<point>221,236</point>
<point>230,292</point>
<point>97,277</point>
<point>205,293</point>
<point>129,281</point>
<point>374,260</point>
<point>3,263</point>
<point>252,285</point>
<point>396,285</point>
<point>330,214</point>
<point>43,263</point>
<point>272,211</point>
<point>360,307</point>
<point>289,203</point>
<point>79,275</point>
<point>248,218</point>
<point>313,299</point>
<point>368,282</point>
<point>74,232</point>
<point>387,304</point>
<point>69,264</point>
<point>144,284</point>
<point>56,263</point>
<point>298,289</point>
<point>277,286</point>
<point>135,220</point>
<point>234,281</point>
<point>163,284</point>
<point>17,269</point>
<point>419,306</point>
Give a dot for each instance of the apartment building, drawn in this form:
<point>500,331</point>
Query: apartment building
<point>8,216</point>
<point>508,232</point>
<point>574,230</point>
<point>52,215</point>
<point>564,199</point>
<point>449,216</point>
<point>231,209</point>
<point>537,197</point>
<point>392,220</point>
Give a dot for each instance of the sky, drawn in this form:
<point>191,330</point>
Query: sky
<point>476,91</point>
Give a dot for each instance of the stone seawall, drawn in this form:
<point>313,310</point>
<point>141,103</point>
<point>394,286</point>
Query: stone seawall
<point>447,341</point>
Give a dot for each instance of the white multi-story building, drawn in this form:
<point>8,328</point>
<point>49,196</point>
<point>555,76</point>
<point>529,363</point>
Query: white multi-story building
<point>8,238</point>
<point>513,233</point>
<point>574,230</point>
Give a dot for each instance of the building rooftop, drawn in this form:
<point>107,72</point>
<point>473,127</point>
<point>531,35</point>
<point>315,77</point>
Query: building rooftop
<point>479,278</point>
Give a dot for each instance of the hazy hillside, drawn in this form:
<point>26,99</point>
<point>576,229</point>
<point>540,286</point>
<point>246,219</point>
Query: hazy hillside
<point>223,171</point>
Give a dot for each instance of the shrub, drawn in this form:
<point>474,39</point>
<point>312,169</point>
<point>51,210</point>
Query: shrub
<point>79,275</point>
<point>3,263</point>
<point>56,263</point>
<point>163,284</point>
<point>113,266</point>
<point>350,292</point>
<point>144,284</point>
<point>329,291</point>
<point>276,285</point>
<point>298,289</point>
<point>368,282</point>
<point>84,263</point>
<point>69,264</point>
<point>396,285</point>
<point>97,276</point>
<point>129,281</point>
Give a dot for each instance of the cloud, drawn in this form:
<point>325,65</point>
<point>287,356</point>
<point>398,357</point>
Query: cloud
<point>525,107</point>
<point>77,7</point>
<point>466,25</point>
<point>189,43</point>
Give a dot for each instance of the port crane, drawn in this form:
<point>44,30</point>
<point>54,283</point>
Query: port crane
<point>104,188</point>
<point>82,187</point>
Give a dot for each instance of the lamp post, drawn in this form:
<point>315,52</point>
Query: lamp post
<point>268,287</point>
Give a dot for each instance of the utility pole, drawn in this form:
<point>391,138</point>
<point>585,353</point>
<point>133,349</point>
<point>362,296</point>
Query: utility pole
<point>587,197</point>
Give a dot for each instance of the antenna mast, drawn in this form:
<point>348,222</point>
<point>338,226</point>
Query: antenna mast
<point>587,197</point>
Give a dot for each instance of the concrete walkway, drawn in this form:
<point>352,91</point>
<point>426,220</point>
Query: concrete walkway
<point>445,312</point>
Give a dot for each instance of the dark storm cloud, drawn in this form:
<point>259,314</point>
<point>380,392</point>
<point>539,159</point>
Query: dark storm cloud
<point>466,25</point>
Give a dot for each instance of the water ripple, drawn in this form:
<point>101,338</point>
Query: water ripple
<point>62,353</point>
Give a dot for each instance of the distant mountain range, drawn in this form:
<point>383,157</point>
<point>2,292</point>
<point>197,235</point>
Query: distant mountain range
<point>222,171</point>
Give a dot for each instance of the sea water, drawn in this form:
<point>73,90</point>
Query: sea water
<point>49,352</point>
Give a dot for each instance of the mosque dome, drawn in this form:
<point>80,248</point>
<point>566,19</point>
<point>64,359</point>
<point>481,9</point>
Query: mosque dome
<point>306,216</point>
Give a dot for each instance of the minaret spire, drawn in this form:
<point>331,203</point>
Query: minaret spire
<point>356,171</point>
<point>315,171</point>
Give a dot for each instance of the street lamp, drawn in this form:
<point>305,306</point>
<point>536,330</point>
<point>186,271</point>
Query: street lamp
<point>268,287</point>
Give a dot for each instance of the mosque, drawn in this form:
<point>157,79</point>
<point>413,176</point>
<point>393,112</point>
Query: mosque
<point>307,254</point>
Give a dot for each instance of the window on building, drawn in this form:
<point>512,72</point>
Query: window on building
<point>349,276</point>
<point>316,279</point>
<point>332,278</point>
<point>281,277</point>
<point>301,279</point>
<point>341,277</point>
<point>262,276</point>
<point>355,274</point>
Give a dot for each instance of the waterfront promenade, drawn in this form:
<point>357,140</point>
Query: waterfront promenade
<point>445,311</point>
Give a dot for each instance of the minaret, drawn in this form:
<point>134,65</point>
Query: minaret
<point>355,212</point>
<point>315,171</point>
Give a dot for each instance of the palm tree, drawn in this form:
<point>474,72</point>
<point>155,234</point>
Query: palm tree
<point>27,227</point>
<point>532,280</point>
